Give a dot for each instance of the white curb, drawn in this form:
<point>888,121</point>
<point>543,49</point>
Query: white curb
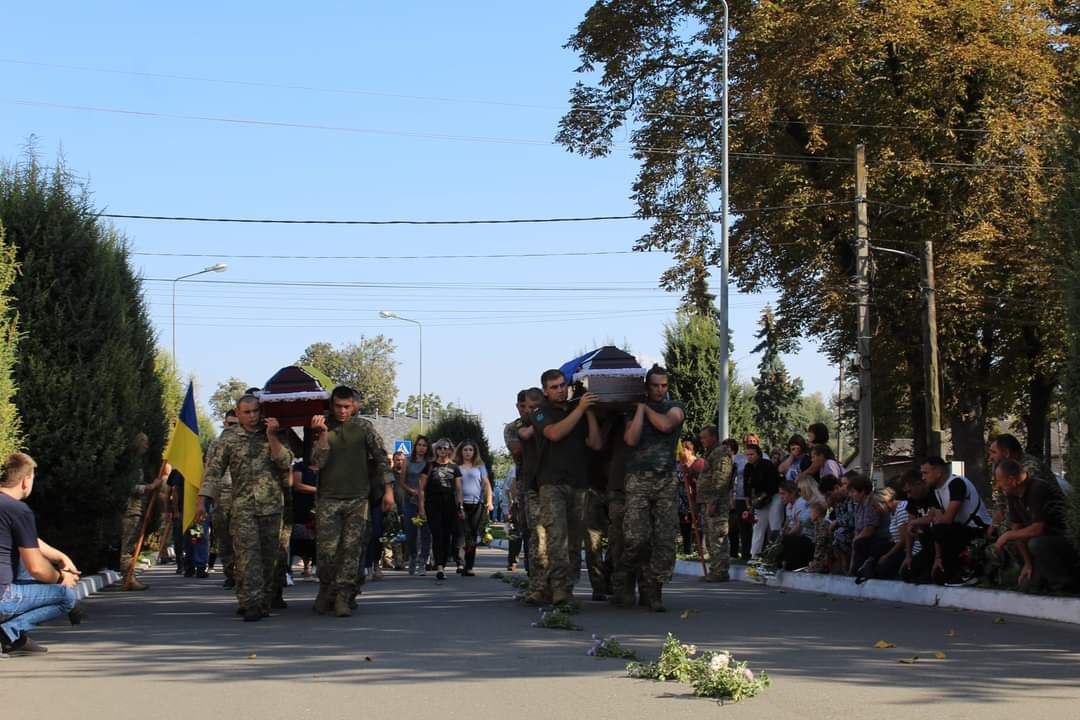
<point>1002,602</point>
<point>93,583</point>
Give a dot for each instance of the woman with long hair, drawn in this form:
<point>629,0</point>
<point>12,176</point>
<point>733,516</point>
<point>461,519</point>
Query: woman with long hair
<point>417,537</point>
<point>475,498</point>
<point>440,501</point>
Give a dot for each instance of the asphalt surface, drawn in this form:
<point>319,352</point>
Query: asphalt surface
<point>465,649</point>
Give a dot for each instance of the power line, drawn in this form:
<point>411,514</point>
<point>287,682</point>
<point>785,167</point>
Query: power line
<point>465,101</point>
<point>393,257</point>
<point>413,286</point>
<point>508,141</point>
<point>485,221</point>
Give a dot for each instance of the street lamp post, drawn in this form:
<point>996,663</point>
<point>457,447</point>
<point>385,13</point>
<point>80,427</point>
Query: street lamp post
<point>219,267</point>
<point>419,326</point>
<point>722,406</point>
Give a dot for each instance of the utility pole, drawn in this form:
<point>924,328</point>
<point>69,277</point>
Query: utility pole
<point>862,283</point>
<point>840,413</point>
<point>932,379</point>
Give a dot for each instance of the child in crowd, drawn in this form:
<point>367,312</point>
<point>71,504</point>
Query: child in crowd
<point>822,538</point>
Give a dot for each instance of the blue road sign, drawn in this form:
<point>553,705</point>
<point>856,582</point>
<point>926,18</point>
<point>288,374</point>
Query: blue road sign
<point>404,446</point>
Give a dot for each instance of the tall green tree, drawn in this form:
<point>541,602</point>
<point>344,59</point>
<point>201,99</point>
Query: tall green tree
<point>776,393</point>
<point>959,106</point>
<point>225,396</point>
<point>85,373</point>
<point>459,426</point>
<point>1067,218</point>
<point>692,355</point>
<point>10,426</point>
<point>433,406</point>
<point>366,366</point>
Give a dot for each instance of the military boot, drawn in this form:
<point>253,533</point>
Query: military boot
<point>655,598</point>
<point>341,606</point>
<point>324,601</point>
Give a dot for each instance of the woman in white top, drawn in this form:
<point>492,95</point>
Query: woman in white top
<point>476,500</point>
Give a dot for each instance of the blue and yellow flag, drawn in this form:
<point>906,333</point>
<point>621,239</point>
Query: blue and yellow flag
<point>185,454</point>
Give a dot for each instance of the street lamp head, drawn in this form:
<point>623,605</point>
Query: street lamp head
<point>387,314</point>
<point>217,267</point>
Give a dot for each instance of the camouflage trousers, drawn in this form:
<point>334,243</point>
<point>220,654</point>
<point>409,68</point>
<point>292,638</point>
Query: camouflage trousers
<point>616,556</point>
<point>342,530</point>
<point>822,548</point>
<point>223,540</point>
<point>284,561</point>
<point>562,517</point>
<point>716,536</point>
<point>536,547</point>
<point>255,546</point>
<point>129,536</point>
<point>650,525</point>
<point>596,526</point>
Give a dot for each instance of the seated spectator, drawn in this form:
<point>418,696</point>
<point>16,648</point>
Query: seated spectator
<point>798,459</point>
<point>871,539</point>
<point>957,516</point>
<point>32,589</point>
<point>797,537</point>
<point>819,517</point>
<point>888,565</point>
<point>1037,529</point>
<point>841,521</point>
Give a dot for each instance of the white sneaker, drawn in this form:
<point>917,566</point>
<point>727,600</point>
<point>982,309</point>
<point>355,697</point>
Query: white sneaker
<point>288,580</point>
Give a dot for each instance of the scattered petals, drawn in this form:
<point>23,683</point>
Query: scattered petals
<point>939,655</point>
<point>252,656</point>
<point>884,645</point>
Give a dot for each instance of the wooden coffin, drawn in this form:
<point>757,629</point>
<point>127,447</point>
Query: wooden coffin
<point>293,397</point>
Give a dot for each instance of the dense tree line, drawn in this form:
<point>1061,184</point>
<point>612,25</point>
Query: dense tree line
<point>85,374</point>
<point>960,106</point>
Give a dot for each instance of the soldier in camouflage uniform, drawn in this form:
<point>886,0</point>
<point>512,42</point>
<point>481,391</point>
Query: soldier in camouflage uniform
<point>1007,447</point>
<point>528,498</point>
<point>134,512</point>
<point>258,462</point>
<point>219,519</point>
<point>284,561</point>
<point>622,586</point>
<point>564,431</point>
<point>518,524</point>
<point>345,448</point>
<point>651,521</point>
<point>714,492</point>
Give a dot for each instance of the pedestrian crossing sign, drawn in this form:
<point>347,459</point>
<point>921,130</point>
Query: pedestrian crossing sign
<point>403,446</point>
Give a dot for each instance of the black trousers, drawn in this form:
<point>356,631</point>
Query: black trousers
<point>796,551</point>
<point>469,530</point>
<point>442,519</point>
<point>1055,562</point>
<point>740,531</point>
<point>871,547</point>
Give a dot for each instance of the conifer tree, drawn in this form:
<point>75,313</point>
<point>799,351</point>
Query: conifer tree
<point>776,393</point>
<point>85,370</point>
<point>10,427</point>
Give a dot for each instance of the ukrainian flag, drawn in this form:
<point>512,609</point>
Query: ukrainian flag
<point>185,454</point>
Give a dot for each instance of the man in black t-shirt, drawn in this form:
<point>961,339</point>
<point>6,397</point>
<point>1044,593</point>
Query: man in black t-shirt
<point>564,431</point>
<point>36,580</point>
<point>1036,510</point>
<point>528,497</point>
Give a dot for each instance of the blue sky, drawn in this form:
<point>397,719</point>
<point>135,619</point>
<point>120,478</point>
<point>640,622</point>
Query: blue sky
<point>439,110</point>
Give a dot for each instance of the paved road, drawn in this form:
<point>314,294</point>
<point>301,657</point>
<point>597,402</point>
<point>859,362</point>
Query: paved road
<point>466,650</point>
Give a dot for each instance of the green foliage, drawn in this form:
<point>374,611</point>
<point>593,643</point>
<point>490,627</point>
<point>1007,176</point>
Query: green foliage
<point>691,355</point>
<point>610,647</point>
<point>367,367</point>
<point>776,395</point>
<point>433,406</point>
<point>939,93</point>
<point>86,375</point>
<point>1068,220</point>
<point>225,396</point>
<point>556,619</point>
<point>459,426</point>
<point>712,674</point>
<point>172,389</point>
<point>10,426</point>
<point>501,463</point>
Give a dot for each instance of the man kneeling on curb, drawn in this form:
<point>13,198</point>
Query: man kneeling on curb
<point>1037,529</point>
<point>32,589</point>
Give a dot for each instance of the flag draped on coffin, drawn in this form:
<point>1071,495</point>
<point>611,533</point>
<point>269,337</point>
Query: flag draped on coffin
<point>185,454</point>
